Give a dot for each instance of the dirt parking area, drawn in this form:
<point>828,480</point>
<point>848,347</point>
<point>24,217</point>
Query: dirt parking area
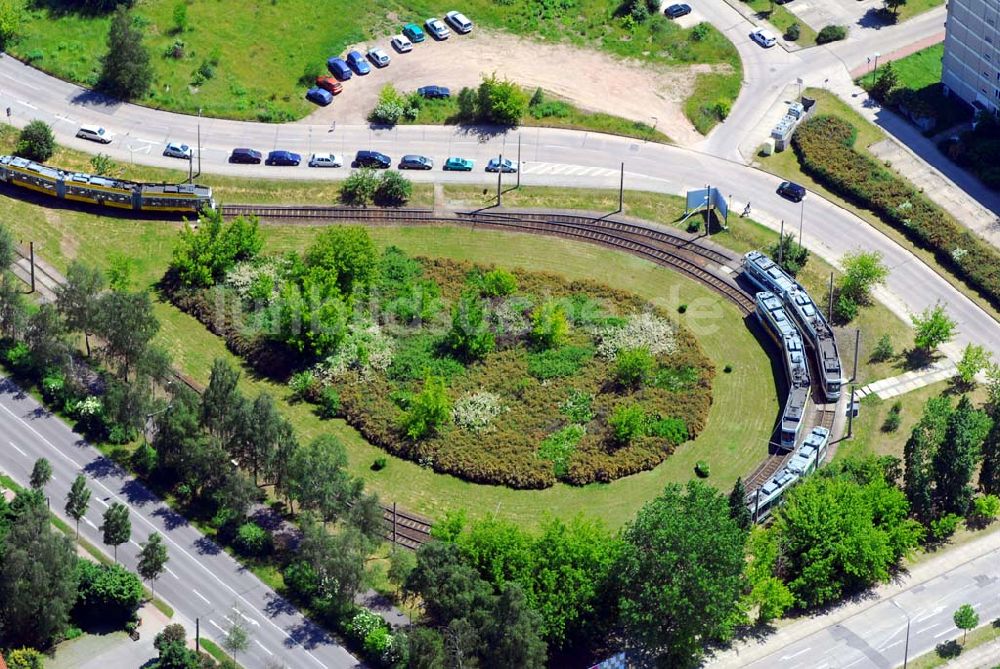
<point>591,80</point>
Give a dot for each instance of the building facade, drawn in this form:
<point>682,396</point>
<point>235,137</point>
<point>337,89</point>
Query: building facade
<point>971,64</point>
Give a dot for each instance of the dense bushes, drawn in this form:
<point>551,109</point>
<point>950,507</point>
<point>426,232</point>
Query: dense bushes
<point>831,33</point>
<point>824,146</point>
<point>36,142</point>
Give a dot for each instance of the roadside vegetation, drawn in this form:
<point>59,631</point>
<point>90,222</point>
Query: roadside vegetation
<point>208,57</point>
<point>782,18</point>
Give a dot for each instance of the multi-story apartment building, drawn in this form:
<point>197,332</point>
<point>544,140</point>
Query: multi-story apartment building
<point>971,65</point>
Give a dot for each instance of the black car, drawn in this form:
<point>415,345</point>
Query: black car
<point>677,11</point>
<point>414,162</point>
<point>792,191</point>
<point>246,156</point>
<point>283,158</point>
<point>431,92</point>
<point>372,159</point>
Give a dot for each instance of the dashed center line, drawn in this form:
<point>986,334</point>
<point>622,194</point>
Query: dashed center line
<point>203,598</point>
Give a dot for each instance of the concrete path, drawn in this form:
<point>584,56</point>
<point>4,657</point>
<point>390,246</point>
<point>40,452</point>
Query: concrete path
<point>940,370</point>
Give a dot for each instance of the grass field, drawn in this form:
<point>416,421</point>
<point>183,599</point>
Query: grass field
<point>914,7</point>
<point>261,49</point>
<point>786,165</point>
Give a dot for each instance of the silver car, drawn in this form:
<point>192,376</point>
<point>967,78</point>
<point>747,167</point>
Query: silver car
<point>401,44</point>
<point>379,57</point>
<point>326,160</point>
<point>175,150</point>
<point>437,28</point>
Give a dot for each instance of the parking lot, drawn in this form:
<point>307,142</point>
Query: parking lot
<point>592,80</point>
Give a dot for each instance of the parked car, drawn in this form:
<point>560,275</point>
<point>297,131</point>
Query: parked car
<point>677,11</point>
<point>792,191</point>
<point>283,158</point>
<point>175,150</point>
<point>338,68</point>
<point>495,165</point>
<point>378,56</point>
<point>458,164</point>
<point>95,133</point>
<point>413,32</point>
<point>764,37</point>
<point>372,159</point>
<point>319,96</point>
<point>326,160</point>
<point>245,156</point>
<point>329,84</point>
<point>358,62</point>
<point>414,162</point>
<point>431,92</point>
<point>459,22</point>
<point>401,44</point>
<point>437,28</point>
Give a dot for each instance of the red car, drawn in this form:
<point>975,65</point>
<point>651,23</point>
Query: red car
<point>330,84</point>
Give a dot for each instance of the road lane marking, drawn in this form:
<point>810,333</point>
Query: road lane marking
<point>203,597</point>
<point>19,82</point>
<point>894,643</point>
<point>927,629</point>
<point>170,540</point>
<point>14,446</point>
<point>216,626</point>
<point>147,141</point>
<point>101,501</point>
<point>947,631</point>
<point>262,647</point>
<point>132,541</point>
<point>171,572</point>
<point>789,657</point>
<point>87,520</point>
<point>28,105</point>
<point>249,620</point>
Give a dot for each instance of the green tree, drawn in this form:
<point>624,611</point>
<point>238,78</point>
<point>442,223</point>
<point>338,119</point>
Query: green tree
<point>8,246</point>
<point>12,15</point>
<point>894,5</point>
<point>450,588</point>
<point>348,254</point>
<point>511,635</point>
<point>13,307</point>
<point>36,142</point>
<point>793,257</point>
<point>985,508</point>
<point>368,517</point>
<point>202,256</point>
<point>152,560</point>
<point>426,648</point>
<point>360,187</point>
<point>863,271</point>
<point>627,422</point>
<point>989,471</point>
<point>120,272</point>
<point>25,658</point>
<point>180,17</point>
<point>261,429</point>
<point>885,81</point>
<point>966,619</point>
<point>237,637</point>
<point>107,592</point>
<point>680,572</point>
<point>394,190</point>
<point>501,101</point>
<point>78,299</point>
<point>918,456</point>
<point>957,457</point>
<point>738,510</point>
<point>467,101</point>
<point>318,478</point>
<point>401,563</point>
<point>634,366</point>
<point>117,527</point>
<point>126,72</point>
<point>41,474</point>
<point>222,404</point>
<point>549,325</point>
<point>46,338</point>
<point>37,576</point>
<point>841,531</point>
<point>77,500</point>
<point>766,593</point>
<point>470,335</point>
<point>127,325</point>
<point>429,410</point>
<point>932,328</point>
<point>883,349</point>
<point>974,360</point>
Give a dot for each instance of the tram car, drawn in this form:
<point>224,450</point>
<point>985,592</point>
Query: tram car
<point>767,275</point>
<point>104,191</point>
<point>820,337</point>
<point>782,329</point>
<point>762,502</point>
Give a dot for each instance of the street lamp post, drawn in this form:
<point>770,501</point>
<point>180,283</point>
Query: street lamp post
<point>875,69</point>
<point>906,646</point>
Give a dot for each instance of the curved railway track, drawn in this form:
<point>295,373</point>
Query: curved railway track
<point>823,415</point>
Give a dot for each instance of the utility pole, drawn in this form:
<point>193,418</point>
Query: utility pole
<point>31,261</point>
<point>621,190</point>
<point>781,243</point>
<point>199,141</point>
<point>829,309</point>
<point>393,527</point>
<point>499,175</point>
<point>197,636</point>
<point>519,161</point>
<point>730,206</point>
<point>802,211</point>
<point>708,209</point>
<point>850,415</point>
<point>857,349</point>
<point>756,505</point>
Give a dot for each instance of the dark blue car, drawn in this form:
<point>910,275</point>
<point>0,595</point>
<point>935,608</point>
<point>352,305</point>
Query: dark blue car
<point>338,68</point>
<point>283,158</point>
<point>319,96</point>
<point>358,62</point>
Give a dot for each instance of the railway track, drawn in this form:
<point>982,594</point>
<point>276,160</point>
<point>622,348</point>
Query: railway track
<point>406,529</point>
<point>663,248</point>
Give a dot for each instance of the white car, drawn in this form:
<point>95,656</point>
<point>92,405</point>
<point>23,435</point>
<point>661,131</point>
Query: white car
<point>437,28</point>
<point>175,150</point>
<point>326,160</point>
<point>378,56</point>
<point>459,22</point>
<point>401,44</point>
<point>95,133</point>
<point>764,37</point>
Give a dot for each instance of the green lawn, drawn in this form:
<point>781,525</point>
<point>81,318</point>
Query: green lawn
<point>786,165</point>
<point>920,69</point>
<point>445,111</point>
<point>262,48</point>
<point>914,7</point>
<point>781,17</point>
<point>712,98</point>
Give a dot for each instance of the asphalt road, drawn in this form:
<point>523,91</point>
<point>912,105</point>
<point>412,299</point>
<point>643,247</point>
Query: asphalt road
<point>201,580</point>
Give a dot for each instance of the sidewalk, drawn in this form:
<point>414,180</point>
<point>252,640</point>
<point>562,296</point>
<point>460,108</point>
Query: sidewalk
<point>939,370</point>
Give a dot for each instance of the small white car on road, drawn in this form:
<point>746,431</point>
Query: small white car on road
<point>95,133</point>
<point>326,160</point>
<point>764,37</point>
<point>401,44</point>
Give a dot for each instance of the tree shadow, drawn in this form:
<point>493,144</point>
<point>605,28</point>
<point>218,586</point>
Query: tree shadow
<point>171,519</point>
<point>137,494</point>
<point>96,99</point>
<point>876,18</point>
<point>102,467</point>
<point>485,133</point>
<point>277,605</point>
<point>307,634</point>
<point>206,546</point>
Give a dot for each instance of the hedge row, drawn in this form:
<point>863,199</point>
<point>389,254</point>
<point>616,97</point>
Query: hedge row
<point>824,146</point>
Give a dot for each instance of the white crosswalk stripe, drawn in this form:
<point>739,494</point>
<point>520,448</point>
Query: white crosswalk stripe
<point>567,170</point>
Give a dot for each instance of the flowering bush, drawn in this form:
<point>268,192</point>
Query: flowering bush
<point>363,624</point>
<point>645,330</point>
<point>477,410</point>
<point>254,279</point>
<point>365,348</point>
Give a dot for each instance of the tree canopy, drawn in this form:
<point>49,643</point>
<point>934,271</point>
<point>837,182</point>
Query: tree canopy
<point>202,256</point>
<point>126,71</point>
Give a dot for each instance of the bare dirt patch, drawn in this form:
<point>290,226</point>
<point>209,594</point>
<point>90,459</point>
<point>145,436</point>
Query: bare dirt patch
<point>591,80</point>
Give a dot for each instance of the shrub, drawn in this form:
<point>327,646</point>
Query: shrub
<point>883,349</point>
<point>944,527</point>
<point>252,540</point>
<point>36,142</point>
<point>498,283</point>
<point>53,385</point>
<point>793,33</point>
<point>845,308</point>
<point>477,410</point>
<point>634,366</point>
<point>986,508</point>
<point>893,418</point>
<point>673,430</point>
<point>831,33</point>
<point>379,464</point>
<point>644,330</point>
<point>393,190</point>
<point>728,369</point>
<point>329,403</point>
<point>676,379</point>
<point>559,446</point>
<point>682,309</point>
<point>102,164</point>
<point>25,658</point>
<point>362,624</point>
<point>702,469</point>
<point>304,386</point>
<point>143,460</point>
<point>577,406</point>
<point>558,362</point>
<point>501,101</point>
<point>359,187</point>
<point>627,422</point>
<point>700,31</point>
<point>429,410</point>
<point>549,325</point>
